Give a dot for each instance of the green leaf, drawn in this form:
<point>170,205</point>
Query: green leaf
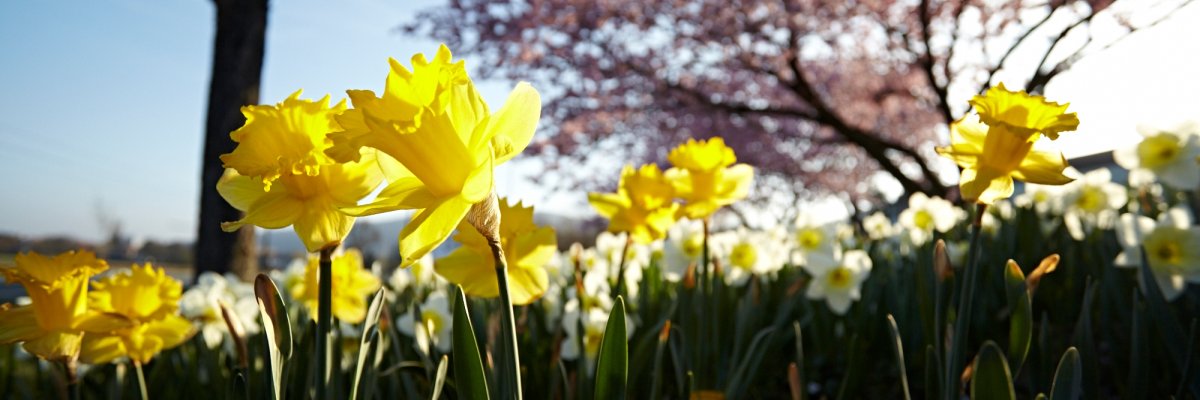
<point>932,373</point>
<point>738,383</point>
<point>898,346</point>
<point>440,379</point>
<point>612,362</point>
<point>800,359</point>
<point>1068,378</point>
<point>991,378</point>
<point>368,346</point>
<point>469,377</point>
<point>277,327</point>
<point>1020,331</point>
<point>1139,369</point>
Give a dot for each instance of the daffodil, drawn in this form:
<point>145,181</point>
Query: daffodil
<point>684,248</point>
<point>280,176</point>
<point>351,284</point>
<point>925,215</point>
<point>434,323</point>
<point>52,326</point>
<point>992,155</point>
<point>1092,202</point>
<point>815,242</point>
<point>751,253</point>
<point>149,299</point>
<point>1172,155</point>
<point>446,141</point>
<point>705,177</point>
<point>1172,248</point>
<point>643,205</point>
<point>527,249</point>
<point>201,305</point>
<point>841,284</point>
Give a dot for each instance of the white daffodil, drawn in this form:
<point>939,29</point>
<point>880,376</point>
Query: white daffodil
<point>201,305</point>
<point>1173,155</point>
<point>1172,248</point>
<point>751,253</point>
<point>433,325</point>
<point>925,215</point>
<point>841,284</point>
<point>1092,202</point>
<point>683,248</point>
<point>815,242</point>
<point>997,213</point>
<point>878,226</point>
<point>418,275</point>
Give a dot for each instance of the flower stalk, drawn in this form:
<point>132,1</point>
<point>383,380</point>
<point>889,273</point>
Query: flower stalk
<point>485,218</point>
<point>324,319</point>
<point>966,303</point>
<point>620,285</point>
<point>141,377</point>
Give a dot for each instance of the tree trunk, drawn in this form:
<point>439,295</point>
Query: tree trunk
<point>236,72</point>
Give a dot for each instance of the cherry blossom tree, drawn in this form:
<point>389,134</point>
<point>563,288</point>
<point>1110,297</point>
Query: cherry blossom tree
<point>821,94</point>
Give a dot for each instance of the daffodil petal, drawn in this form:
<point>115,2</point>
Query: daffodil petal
<point>56,345</point>
<point>430,227</point>
<point>18,324</point>
<point>321,226</point>
<point>101,349</point>
<point>275,210</point>
<point>239,190</point>
<point>985,186</point>
<point>470,268</point>
<point>479,183</point>
<point>404,194</point>
<point>511,128</point>
<point>607,204</point>
<point>1043,168</point>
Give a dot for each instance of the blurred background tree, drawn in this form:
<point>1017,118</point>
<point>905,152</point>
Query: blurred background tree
<point>821,96</point>
<point>236,74</point>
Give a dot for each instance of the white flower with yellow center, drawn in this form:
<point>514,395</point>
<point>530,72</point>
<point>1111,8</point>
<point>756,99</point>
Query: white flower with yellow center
<point>201,305</point>
<point>749,253</point>
<point>1092,202</point>
<point>925,215</point>
<point>1173,155</point>
<point>841,284</point>
<point>815,242</point>
<point>1172,248</point>
<point>1044,199</point>
<point>608,259</point>
<point>418,275</point>
<point>683,248</point>
<point>433,325</point>
<point>878,226</point>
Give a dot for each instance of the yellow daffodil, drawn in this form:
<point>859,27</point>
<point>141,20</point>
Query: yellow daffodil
<point>993,155</point>
<point>149,299</point>
<point>434,122</point>
<point>351,286</point>
<point>527,250</point>
<point>52,326</point>
<point>643,205</point>
<point>705,177</point>
<point>280,176</point>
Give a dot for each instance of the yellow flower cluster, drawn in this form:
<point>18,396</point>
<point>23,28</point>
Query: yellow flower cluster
<point>704,177</point>
<point>130,314</point>
<point>527,249</point>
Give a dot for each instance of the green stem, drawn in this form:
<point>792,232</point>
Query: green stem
<point>708,342</point>
<point>141,377</point>
<point>966,302</point>
<point>511,374</point>
<point>620,286</point>
<point>324,320</point>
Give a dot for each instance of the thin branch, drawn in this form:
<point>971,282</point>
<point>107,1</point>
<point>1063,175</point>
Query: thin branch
<point>927,62</point>
<point>1011,49</point>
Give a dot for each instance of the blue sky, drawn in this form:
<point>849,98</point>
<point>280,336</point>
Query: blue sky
<point>102,106</point>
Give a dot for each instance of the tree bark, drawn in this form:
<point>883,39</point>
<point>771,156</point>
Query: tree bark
<point>236,73</point>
